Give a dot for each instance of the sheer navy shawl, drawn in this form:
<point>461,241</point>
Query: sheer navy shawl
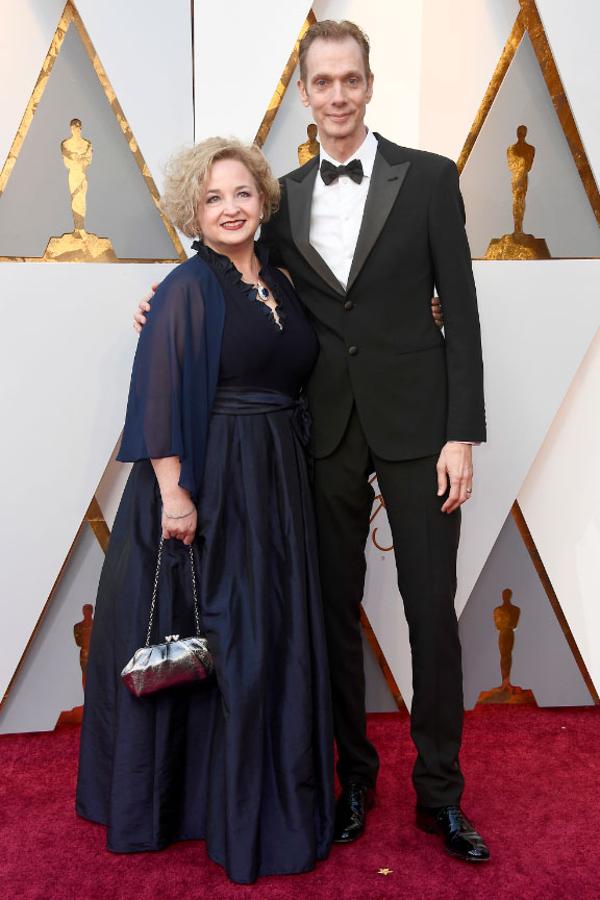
<point>175,373</point>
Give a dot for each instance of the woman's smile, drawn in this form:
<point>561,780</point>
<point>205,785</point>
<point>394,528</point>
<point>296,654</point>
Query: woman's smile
<point>233,224</point>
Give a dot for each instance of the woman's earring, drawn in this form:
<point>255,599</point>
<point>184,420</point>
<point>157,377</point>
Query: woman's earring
<point>261,217</point>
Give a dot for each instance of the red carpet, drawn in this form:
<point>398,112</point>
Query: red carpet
<point>533,781</point>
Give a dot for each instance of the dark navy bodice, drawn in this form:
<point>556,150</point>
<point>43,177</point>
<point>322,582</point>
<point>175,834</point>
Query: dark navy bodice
<point>255,351</point>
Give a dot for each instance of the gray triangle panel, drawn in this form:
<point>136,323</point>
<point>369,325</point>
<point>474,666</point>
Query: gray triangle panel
<point>542,661</point>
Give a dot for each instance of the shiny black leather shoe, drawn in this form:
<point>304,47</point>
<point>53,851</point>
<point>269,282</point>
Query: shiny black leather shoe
<point>351,812</point>
<point>459,835</point>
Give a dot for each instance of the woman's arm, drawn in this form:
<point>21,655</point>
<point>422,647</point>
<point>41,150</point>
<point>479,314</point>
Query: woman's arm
<point>173,383</point>
<point>143,307</point>
<point>179,517</point>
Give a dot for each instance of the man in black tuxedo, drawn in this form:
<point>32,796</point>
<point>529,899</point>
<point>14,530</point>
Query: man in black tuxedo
<point>366,231</point>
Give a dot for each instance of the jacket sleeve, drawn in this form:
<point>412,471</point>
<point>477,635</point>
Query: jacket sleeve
<point>269,235</point>
<point>174,377</point>
<point>453,274</point>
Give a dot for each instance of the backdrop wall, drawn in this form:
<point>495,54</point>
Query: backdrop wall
<point>67,344</point>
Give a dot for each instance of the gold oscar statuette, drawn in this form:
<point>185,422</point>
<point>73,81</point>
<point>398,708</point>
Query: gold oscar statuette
<point>78,245</point>
<point>311,147</point>
<point>519,245</point>
<point>82,632</point>
<point>506,619</point>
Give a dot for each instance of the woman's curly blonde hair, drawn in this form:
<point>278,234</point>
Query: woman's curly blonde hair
<point>187,172</point>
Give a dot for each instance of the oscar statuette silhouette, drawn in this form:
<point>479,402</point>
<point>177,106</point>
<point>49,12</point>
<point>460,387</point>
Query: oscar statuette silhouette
<point>519,245</point>
<point>506,619</point>
<point>78,245</point>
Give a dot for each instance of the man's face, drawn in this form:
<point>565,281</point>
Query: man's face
<point>336,88</point>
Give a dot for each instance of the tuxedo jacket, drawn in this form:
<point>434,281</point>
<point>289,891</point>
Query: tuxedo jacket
<point>414,388</point>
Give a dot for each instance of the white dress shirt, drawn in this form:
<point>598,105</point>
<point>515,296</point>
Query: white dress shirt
<point>337,211</point>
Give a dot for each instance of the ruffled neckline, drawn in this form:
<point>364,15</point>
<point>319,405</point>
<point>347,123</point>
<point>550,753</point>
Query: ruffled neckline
<point>222,262</point>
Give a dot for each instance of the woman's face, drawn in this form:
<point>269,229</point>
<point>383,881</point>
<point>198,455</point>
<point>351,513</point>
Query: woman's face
<point>229,211</point>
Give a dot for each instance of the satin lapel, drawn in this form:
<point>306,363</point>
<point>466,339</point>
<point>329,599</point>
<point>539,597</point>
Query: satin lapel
<point>299,197</point>
<point>386,182</point>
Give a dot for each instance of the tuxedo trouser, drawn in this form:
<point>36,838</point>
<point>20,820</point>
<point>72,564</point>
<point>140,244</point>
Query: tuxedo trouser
<point>425,546</point>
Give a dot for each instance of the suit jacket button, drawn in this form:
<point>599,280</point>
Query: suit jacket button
<point>348,305</point>
<point>352,351</point>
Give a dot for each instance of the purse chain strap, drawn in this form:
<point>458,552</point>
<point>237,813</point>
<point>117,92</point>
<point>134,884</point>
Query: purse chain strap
<point>155,590</point>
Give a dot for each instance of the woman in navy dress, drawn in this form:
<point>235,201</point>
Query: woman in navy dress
<point>217,433</point>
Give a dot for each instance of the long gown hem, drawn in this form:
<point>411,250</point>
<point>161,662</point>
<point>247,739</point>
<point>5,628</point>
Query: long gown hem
<point>141,847</point>
<point>163,845</point>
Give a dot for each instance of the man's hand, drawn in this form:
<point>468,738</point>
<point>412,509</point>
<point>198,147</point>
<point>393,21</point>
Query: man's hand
<point>436,312</point>
<point>139,319</point>
<point>456,465</point>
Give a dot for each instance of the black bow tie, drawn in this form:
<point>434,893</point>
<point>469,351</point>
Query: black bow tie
<point>331,173</point>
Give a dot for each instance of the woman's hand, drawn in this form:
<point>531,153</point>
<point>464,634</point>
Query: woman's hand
<point>179,518</point>
<point>139,318</point>
<point>436,312</point>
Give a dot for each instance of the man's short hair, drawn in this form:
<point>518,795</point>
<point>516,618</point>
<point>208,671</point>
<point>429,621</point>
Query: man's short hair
<point>330,30</point>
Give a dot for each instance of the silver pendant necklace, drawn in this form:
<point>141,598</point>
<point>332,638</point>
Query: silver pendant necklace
<point>261,289</point>
<point>264,295</point>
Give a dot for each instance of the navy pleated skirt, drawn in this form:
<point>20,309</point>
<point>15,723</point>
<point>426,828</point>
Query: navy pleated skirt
<point>243,761</point>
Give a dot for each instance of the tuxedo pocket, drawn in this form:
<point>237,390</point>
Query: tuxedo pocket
<point>437,343</point>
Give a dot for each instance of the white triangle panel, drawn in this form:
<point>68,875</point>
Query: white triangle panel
<point>65,360</point>
<point>537,319</point>
<point>560,500</point>
<point>462,43</point>
<point>240,51</point>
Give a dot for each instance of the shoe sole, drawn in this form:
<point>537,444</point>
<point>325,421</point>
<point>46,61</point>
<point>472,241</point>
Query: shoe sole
<point>467,859</point>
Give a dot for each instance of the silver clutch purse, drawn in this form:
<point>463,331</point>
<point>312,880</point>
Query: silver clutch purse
<point>176,661</point>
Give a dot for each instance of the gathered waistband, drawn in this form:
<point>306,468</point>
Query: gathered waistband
<point>247,402</point>
<point>244,402</point>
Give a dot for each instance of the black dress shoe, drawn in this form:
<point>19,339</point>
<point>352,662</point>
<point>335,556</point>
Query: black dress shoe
<point>351,812</point>
<point>459,835</point>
